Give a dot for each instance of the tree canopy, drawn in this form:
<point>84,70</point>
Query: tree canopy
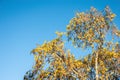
<point>89,29</point>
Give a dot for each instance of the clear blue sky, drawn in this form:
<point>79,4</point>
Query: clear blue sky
<point>25,23</point>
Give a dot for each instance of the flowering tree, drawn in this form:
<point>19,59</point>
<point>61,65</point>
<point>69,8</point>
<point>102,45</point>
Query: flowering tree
<point>90,28</point>
<point>86,30</point>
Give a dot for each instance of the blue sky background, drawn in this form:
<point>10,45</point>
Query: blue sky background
<point>25,23</point>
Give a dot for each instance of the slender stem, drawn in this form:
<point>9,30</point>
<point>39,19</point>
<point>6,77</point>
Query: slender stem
<point>96,65</point>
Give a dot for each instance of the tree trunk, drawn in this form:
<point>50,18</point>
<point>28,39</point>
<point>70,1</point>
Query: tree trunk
<point>96,65</point>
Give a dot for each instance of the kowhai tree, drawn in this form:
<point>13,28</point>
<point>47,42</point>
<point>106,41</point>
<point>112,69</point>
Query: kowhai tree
<point>90,29</point>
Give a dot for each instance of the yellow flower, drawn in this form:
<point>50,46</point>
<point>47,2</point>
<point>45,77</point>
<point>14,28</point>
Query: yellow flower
<point>115,55</point>
<point>59,33</point>
<point>68,27</point>
<point>36,57</point>
<point>102,19</point>
<point>113,15</point>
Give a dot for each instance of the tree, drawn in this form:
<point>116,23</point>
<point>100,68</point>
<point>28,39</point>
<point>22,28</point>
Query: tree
<point>86,30</point>
<point>90,28</point>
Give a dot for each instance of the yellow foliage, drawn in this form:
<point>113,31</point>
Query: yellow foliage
<point>85,29</point>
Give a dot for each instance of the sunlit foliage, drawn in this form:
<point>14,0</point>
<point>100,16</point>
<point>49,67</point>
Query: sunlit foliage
<point>89,29</point>
<point>86,30</point>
